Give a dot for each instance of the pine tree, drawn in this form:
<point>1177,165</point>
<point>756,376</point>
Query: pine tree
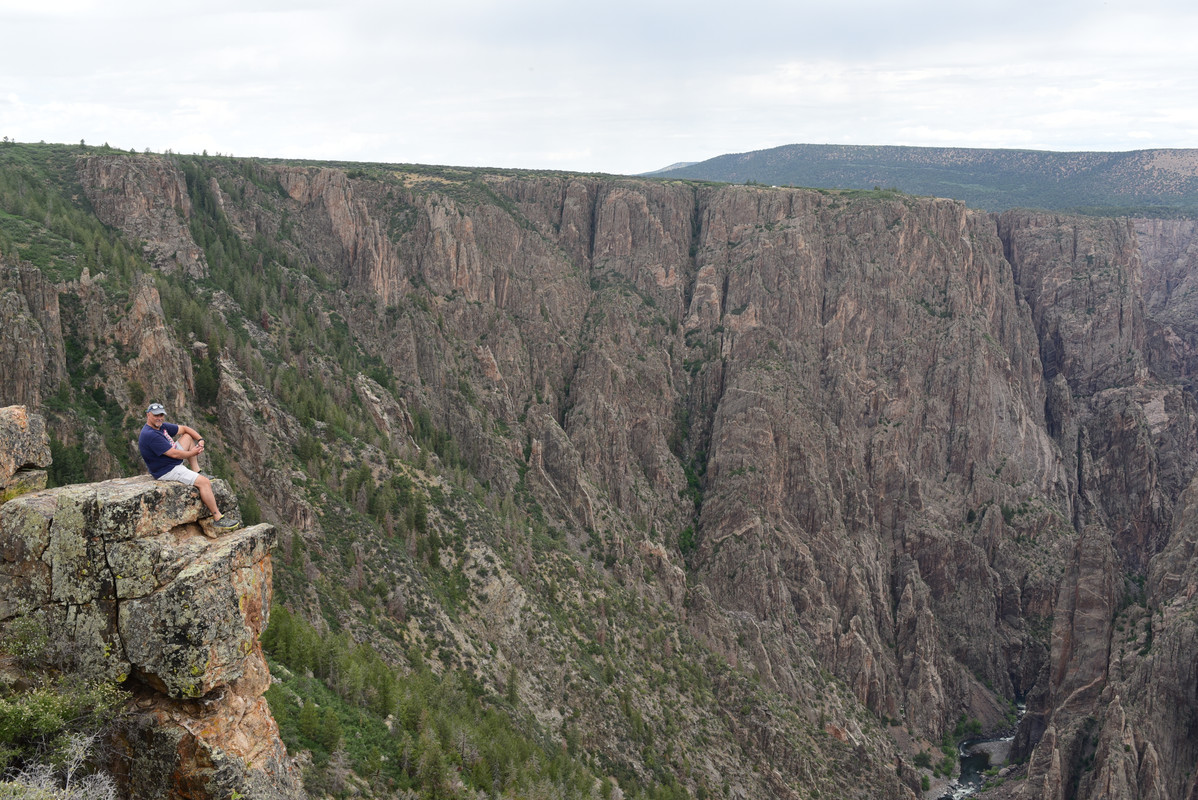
<point>330,730</point>
<point>309,721</point>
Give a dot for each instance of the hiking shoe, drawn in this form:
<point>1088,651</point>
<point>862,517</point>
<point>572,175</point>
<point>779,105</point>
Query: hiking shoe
<point>227,523</point>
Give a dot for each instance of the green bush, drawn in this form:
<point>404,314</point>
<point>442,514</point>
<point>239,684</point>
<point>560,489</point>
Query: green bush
<point>38,724</point>
<point>251,512</point>
<point>26,640</point>
<point>686,540</point>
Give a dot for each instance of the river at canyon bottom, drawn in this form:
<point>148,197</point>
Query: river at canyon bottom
<point>977,756</point>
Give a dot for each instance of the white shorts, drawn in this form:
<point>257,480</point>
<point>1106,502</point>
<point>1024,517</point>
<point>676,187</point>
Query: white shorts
<point>181,474</point>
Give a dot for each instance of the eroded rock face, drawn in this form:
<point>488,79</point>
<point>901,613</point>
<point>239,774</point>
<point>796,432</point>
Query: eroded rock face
<point>190,631</point>
<point>116,187</point>
<point>1111,715</point>
<point>24,452</point>
<point>1081,277</point>
<point>1169,253</point>
<point>165,757</point>
<point>125,575</point>
<point>1120,723</point>
<point>32,360</point>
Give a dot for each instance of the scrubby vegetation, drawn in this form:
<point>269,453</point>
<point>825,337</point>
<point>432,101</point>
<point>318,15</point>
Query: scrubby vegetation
<point>53,729</point>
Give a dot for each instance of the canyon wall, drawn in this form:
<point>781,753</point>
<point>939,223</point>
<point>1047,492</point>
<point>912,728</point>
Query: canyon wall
<point>942,455</point>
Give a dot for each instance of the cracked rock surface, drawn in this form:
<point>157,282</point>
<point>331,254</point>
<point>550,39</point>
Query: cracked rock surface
<point>133,591</point>
<point>24,452</point>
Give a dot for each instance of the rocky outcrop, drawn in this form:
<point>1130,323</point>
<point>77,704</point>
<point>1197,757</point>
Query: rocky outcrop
<point>32,359</point>
<point>335,222</point>
<point>388,415</point>
<point>159,363</point>
<point>117,188</point>
<point>24,452</point>
<point>135,587</point>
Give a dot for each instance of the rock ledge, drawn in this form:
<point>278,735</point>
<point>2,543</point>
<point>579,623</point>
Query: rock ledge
<point>123,575</point>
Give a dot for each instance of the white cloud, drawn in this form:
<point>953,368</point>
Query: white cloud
<point>49,8</point>
<point>625,86</point>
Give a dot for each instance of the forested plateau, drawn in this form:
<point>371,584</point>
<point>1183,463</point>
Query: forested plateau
<point>1148,183</point>
<point>590,486</point>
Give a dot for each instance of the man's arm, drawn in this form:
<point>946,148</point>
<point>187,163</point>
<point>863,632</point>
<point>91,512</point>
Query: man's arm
<point>190,444</point>
<point>159,444</point>
<point>181,454</point>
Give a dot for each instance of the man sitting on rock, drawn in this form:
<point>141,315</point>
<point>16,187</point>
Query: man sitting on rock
<point>164,457</point>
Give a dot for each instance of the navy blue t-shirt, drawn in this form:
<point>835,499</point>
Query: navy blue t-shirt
<point>153,444</point>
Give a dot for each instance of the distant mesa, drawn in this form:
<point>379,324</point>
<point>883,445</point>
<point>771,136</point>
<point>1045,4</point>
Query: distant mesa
<point>1142,183</point>
<point>675,165</point>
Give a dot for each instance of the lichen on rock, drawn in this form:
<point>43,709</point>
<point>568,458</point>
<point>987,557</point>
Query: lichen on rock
<point>132,591</point>
<point>24,452</point>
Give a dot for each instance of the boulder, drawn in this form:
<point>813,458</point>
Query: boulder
<point>134,590</point>
<point>24,451</point>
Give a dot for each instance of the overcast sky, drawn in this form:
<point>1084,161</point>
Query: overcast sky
<point>620,86</point>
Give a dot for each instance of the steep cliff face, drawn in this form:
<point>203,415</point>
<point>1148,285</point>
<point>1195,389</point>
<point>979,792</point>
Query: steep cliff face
<point>1127,436</point>
<point>148,199</point>
<point>837,373</point>
<point>1169,252</point>
<point>32,361</point>
<point>932,452</point>
<point>132,586</point>
<point>903,416</point>
<point>1121,719</point>
<point>875,394</point>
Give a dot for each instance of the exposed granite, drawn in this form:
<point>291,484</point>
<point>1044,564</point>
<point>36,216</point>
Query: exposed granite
<point>135,591</point>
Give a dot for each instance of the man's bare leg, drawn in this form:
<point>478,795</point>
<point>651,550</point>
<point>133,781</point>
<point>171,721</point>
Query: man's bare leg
<point>185,442</point>
<point>206,495</point>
